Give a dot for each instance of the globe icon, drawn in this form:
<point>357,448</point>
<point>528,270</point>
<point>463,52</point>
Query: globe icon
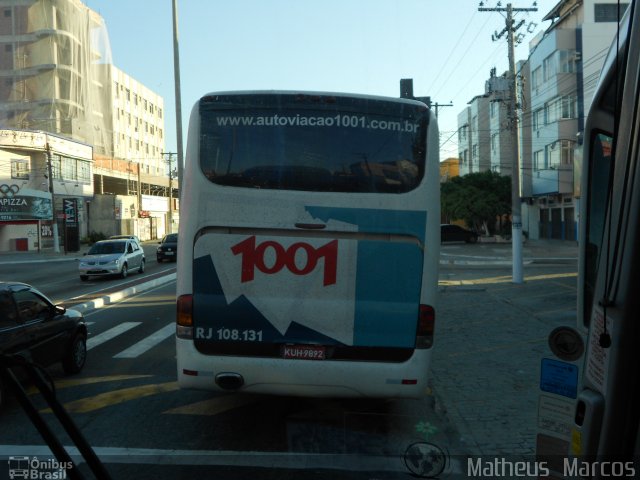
<point>425,460</point>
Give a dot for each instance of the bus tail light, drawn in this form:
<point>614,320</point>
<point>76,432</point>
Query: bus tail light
<point>184,317</point>
<point>426,326</point>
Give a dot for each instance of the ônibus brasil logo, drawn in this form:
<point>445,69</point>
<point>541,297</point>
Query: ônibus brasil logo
<point>253,257</point>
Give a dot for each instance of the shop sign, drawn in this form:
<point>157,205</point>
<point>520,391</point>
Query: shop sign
<point>24,204</point>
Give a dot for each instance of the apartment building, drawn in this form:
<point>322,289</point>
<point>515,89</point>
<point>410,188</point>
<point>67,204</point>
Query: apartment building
<point>58,81</point>
<point>565,63</point>
<point>474,136</point>
<point>556,86</point>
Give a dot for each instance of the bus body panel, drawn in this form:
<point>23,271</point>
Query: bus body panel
<point>308,377</point>
<point>385,248</point>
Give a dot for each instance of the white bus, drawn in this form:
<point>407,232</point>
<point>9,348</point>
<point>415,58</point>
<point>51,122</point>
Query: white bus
<point>309,243</point>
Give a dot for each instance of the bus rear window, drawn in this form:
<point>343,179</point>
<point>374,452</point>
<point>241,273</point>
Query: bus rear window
<point>322,150</point>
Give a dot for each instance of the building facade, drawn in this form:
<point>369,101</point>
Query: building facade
<point>565,63</point>
<point>59,81</point>
<point>556,87</point>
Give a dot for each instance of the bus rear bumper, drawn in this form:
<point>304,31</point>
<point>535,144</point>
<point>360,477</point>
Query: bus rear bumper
<point>312,378</point>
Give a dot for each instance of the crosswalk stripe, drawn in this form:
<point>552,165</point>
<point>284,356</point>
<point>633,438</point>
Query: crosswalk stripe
<point>149,342</point>
<point>107,335</point>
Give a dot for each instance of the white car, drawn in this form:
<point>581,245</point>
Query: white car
<point>124,237</point>
<point>112,257</point>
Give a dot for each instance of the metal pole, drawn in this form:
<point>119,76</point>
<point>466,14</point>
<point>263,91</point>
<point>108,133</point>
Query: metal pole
<point>516,207</point>
<point>170,195</point>
<point>56,240</point>
<point>176,74</point>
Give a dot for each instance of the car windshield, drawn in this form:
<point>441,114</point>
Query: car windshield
<point>173,238</point>
<point>107,248</point>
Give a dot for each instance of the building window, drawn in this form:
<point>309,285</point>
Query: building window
<point>128,95</point>
<point>536,78</point>
<point>552,110</point>
<point>538,119</point>
<point>7,12</point>
<point>567,148</point>
<point>549,69</point>
<point>69,169</point>
<point>608,12</point>
<point>56,167</point>
<point>494,142</point>
<point>539,160</point>
<point>20,169</point>
<point>462,133</point>
<point>567,61</point>
<point>474,151</point>
<point>553,152</point>
<point>84,171</point>
<point>569,107</point>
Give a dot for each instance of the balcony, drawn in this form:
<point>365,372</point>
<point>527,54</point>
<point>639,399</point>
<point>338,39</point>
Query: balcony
<point>553,181</point>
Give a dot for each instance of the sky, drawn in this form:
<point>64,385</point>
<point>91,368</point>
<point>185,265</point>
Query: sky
<point>352,46</point>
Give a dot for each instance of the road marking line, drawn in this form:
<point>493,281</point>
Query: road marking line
<point>115,397</point>
<point>350,462</point>
<point>215,406</point>
<point>74,382</point>
<point>107,335</point>
<point>147,343</point>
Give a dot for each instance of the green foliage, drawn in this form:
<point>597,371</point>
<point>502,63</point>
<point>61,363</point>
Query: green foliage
<point>478,198</point>
<point>93,237</point>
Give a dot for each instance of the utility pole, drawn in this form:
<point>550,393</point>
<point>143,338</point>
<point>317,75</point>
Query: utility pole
<point>56,239</point>
<point>176,75</point>
<point>516,207</point>
<point>170,162</point>
<point>439,105</point>
<point>406,91</point>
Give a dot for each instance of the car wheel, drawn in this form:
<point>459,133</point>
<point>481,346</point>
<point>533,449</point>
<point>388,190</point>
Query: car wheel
<point>77,356</point>
<point>83,278</point>
<point>125,271</point>
<point>141,269</point>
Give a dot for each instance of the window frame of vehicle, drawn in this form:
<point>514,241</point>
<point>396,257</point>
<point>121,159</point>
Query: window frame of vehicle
<point>45,342</point>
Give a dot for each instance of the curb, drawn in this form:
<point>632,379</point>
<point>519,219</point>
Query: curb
<point>110,298</point>
<point>44,260</point>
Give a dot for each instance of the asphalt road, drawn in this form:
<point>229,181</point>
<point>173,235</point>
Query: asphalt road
<point>490,336</point>
<point>127,404</point>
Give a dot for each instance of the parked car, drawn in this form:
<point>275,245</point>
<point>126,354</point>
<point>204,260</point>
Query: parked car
<point>168,248</point>
<point>456,233</point>
<point>112,257</point>
<point>32,327</point>
<point>124,237</point>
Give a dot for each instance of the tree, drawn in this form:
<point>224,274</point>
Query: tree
<point>477,198</point>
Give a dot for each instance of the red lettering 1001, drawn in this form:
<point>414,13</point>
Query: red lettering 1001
<point>253,257</point>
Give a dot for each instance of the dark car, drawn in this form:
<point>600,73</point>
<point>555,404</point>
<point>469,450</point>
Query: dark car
<point>168,248</point>
<point>456,233</point>
<point>32,327</point>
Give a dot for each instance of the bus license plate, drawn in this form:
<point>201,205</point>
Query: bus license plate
<point>304,352</point>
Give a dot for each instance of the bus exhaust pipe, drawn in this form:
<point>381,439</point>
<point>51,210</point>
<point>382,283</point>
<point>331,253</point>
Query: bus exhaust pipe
<point>229,381</point>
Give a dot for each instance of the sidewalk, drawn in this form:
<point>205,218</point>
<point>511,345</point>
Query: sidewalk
<point>48,255</point>
<point>491,337</point>
<point>533,251</point>
<point>9,258</point>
